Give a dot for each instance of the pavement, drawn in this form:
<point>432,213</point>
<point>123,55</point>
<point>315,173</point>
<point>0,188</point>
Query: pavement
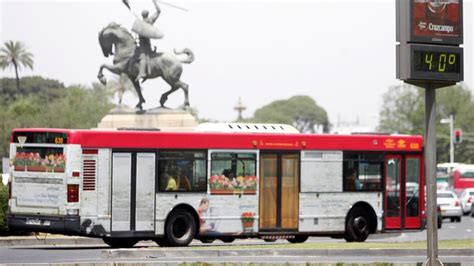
<point>150,250</point>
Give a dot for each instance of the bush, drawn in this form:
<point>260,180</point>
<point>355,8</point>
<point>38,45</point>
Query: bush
<point>3,208</point>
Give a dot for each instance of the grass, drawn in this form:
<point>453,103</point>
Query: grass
<point>443,244</point>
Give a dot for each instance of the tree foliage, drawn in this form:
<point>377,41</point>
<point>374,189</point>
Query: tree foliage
<point>16,56</point>
<point>299,111</point>
<point>46,89</point>
<point>403,111</point>
<point>50,104</point>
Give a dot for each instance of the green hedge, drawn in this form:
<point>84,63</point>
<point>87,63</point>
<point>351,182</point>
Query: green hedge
<point>3,208</point>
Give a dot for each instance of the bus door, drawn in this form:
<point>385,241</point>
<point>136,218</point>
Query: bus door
<point>279,191</point>
<point>402,201</point>
<point>133,191</point>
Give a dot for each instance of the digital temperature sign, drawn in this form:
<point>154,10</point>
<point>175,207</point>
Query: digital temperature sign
<point>430,62</point>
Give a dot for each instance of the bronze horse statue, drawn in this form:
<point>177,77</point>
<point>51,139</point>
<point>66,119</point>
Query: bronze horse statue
<point>117,41</point>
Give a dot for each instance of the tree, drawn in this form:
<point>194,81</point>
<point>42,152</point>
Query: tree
<point>299,111</point>
<point>120,85</point>
<point>403,111</point>
<point>15,55</point>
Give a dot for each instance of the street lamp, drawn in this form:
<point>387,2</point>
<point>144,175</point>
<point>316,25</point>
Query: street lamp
<point>450,120</point>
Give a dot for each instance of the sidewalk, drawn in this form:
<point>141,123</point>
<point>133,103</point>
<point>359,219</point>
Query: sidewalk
<point>152,250</point>
<point>53,240</point>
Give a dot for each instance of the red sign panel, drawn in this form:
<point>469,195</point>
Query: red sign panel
<point>436,20</point>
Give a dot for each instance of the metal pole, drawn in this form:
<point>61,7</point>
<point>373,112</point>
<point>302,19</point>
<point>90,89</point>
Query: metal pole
<point>451,137</point>
<point>430,167</point>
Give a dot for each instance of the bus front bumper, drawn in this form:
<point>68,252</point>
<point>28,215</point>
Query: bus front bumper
<point>42,223</point>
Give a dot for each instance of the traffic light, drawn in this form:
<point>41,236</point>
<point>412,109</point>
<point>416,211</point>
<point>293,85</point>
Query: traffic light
<point>457,136</point>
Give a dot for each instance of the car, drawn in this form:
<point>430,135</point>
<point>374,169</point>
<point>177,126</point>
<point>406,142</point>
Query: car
<point>450,205</point>
<point>467,197</point>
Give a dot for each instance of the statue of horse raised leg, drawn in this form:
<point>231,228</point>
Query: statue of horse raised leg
<point>165,65</point>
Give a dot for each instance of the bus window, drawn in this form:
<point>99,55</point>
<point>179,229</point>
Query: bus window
<point>39,159</point>
<point>182,171</point>
<point>233,172</point>
<point>362,172</point>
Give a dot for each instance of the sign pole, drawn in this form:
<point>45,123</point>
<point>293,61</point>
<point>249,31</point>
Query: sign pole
<point>430,167</point>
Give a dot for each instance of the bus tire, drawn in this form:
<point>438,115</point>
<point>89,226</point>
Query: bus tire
<point>298,239</point>
<point>120,242</point>
<point>180,228</point>
<point>357,225</point>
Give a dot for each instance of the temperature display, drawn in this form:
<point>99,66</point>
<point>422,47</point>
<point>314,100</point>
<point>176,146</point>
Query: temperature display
<point>436,62</point>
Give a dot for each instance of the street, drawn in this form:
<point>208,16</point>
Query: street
<point>148,251</point>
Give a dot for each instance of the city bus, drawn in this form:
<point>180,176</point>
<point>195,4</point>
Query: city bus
<point>224,181</point>
<point>461,177</point>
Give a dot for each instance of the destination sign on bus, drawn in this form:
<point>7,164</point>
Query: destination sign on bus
<point>40,137</point>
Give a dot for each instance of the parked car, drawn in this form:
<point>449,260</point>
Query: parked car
<point>466,197</point>
<point>450,205</point>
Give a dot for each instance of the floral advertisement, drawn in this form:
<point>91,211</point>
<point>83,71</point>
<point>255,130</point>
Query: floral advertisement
<point>223,185</point>
<point>33,162</point>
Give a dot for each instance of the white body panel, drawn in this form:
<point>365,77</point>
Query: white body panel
<point>121,191</point>
<point>145,192</point>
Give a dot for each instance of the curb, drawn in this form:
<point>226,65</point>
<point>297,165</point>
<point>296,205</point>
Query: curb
<point>49,241</point>
<point>183,253</point>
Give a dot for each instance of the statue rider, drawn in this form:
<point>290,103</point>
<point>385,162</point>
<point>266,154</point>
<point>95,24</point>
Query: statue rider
<point>144,48</point>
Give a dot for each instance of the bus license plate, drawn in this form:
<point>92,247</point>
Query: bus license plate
<point>33,221</point>
<point>38,222</point>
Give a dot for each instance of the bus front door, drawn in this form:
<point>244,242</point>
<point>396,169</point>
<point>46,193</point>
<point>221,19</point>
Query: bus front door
<point>402,201</point>
<point>133,192</point>
<point>279,191</point>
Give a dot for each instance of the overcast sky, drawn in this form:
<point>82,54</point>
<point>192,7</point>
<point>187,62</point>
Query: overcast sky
<point>341,53</point>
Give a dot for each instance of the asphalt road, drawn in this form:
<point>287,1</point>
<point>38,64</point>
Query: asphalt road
<point>148,251</point>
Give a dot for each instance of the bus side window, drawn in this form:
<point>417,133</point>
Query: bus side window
<point>182,171</point>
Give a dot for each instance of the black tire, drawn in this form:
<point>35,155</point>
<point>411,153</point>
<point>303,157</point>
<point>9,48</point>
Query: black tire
<point>180,228</point>
<point>440,223</point>
<point>227,239</point>
<point>357,225</point>
<point>472,213</point>
<point>453,219</point>
<point>458,219</point>
<point>116,242</point>
<point>298,239</point>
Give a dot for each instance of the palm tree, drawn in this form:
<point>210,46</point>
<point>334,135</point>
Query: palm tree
<point>120,85</point>
<point>15,55</point>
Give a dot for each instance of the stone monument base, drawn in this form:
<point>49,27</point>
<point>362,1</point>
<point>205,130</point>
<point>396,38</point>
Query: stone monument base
<point>162,119</point>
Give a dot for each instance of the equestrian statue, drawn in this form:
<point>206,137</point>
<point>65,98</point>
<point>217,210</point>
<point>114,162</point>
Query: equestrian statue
<point>141,62</point>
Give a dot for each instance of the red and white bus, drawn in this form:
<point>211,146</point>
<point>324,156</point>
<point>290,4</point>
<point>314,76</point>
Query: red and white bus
<point>250,181</point>
<point>461,177</point>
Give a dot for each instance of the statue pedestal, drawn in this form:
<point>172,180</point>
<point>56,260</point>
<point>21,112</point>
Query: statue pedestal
<point>158,118</point>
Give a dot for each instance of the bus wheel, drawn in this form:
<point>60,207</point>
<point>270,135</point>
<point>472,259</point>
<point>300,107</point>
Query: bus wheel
<point>116,242</point>
<point>180,228</point>
<point>357,226</point>
<point>298,239</point>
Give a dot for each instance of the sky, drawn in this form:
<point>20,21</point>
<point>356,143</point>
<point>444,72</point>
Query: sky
<point>341,53</point>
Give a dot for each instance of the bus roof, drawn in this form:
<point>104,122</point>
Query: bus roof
<point>205,140</point>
